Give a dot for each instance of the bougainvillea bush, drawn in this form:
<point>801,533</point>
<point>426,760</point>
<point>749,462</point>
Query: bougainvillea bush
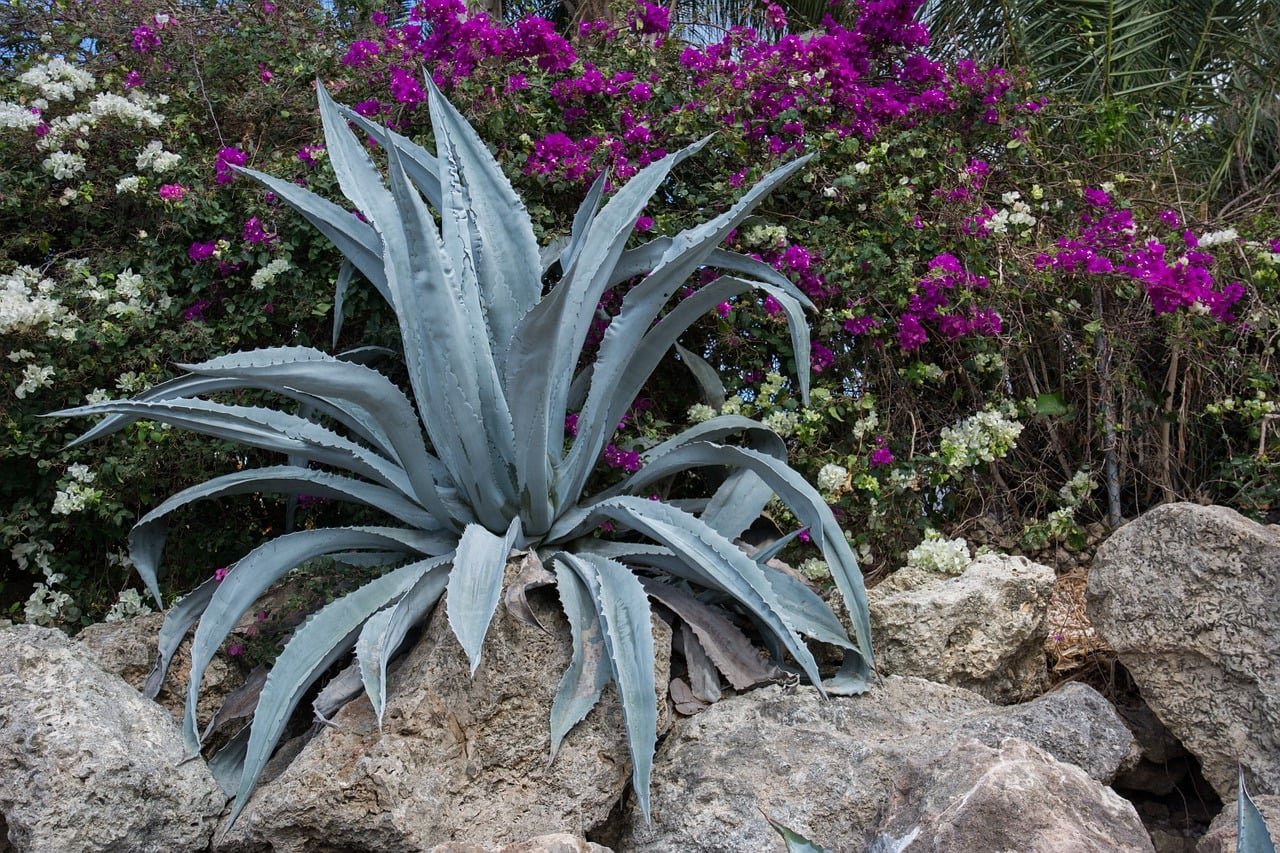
<point>1006,331</point>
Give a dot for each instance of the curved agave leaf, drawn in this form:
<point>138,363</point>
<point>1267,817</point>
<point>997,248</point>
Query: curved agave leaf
<point>643,258</point>
<point>802,499</point>
<point>147,538</point>
<point>440,325</point>
<point>548,341</point>
<point>422,288</point>
<point>314,372</point>
<point>311,651</point>
<point>181,386</point>
<point>254,574</point>
<point>345,273</point>
<point>267,429</point>
<point>589,670</point>
<point>634,351</point>
<point>1252,834</point>
<point>699,546</point>
<point>687,251</point>
<point>386,629</point>
<point>707,378</point>
<point>806,610</point>
<point>358,242</point>
<point>475,585</point>
<point>360,422</point>
<point>420,165</point>
<point>496,226</point>
<point>177,622</point>
<point>227,763</point>
<point>575,523</point>
<point>623,610</point>
<point>582,220</point>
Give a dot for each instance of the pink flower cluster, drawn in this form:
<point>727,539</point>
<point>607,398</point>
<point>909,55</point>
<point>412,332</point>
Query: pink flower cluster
<point>1175,273</point>
<point>228,157</point>
<point>931,307</point>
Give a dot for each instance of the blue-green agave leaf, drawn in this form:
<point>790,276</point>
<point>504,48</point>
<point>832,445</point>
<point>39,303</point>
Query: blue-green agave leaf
<point>504,249</point>
<point>738,501</point>
<point>582,220</point>
<point>386,629</point>
<point>548,341</point>
<point>357,241</point>
<point>147,538</point>
<point>707,378</point>
<point>631,351</point>
<point>177,622</point>
<point>267,429</point>
<point>181,386</point>
<point>796,843</point>
<point>254,574</point>
<point>623,609</point>
<point>774,548</point>
<point>358,177</point>
<point>345,273</point>
<point>1252,834</point>
<point>227,764</point>
<point>623,338</point>
<point>450,363</point>
<point>806,610</point>
<point>802,499</point>
<point>317,373</point>
<point>317,644</point>
<point>589,670</point>
<point>733,571</point>
<point>420,165</point>
<point>645,257</point>
<point>475,585</point>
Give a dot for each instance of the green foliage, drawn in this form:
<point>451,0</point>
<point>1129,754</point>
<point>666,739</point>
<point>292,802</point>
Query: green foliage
<point>492,363</point>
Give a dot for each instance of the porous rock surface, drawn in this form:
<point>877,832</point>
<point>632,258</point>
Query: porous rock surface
<point>556,842</point>
<point>1189,598</point>
<point>459,759</point>
<point>983,630</point>
<point>88,764</point>
<point>127,648</point>
<point>827,769</point>
<point>977,798</point>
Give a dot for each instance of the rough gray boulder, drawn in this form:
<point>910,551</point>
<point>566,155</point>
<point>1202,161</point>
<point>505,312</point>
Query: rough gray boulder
<point>459,759</point>
<point>827,769</point>
<point>977,798</point>
<point>1189,598</point>
<point>1075,723</point>
<point>983,630</point>
<point>88,764</point>
<point>556,842</point>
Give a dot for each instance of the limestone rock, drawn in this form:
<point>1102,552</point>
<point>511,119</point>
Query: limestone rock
<point>1221,837</point>
<point>128,649</point>
<point>556,842</point>
<point>88,764</point>
<point>1075,723</point>
<point>827,769</point>
<point>1014,797</point>
<point>458,759</point>
<point>983,630</point>
<point>1189,598</point>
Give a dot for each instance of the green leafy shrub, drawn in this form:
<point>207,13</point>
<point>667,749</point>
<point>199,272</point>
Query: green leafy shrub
<point>493,365</point>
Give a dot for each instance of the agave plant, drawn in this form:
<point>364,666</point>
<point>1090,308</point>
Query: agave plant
<point>475,463</point>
